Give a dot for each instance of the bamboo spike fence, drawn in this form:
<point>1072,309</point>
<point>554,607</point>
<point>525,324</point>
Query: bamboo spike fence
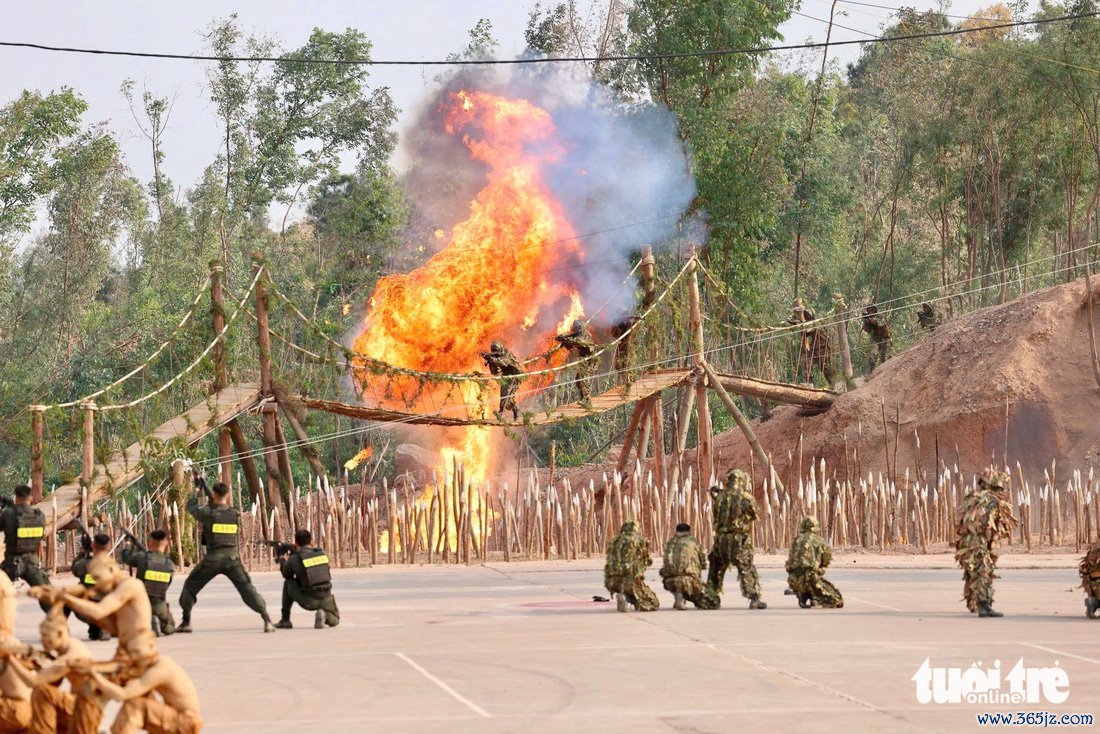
<point>402,523</point>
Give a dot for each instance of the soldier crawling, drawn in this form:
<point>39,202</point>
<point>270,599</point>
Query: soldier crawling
<point>1090,580</point>
<point>503,363</point>
<point>307,582</point>
<point>624,570</point>
<point>682,571</point>
<point>809,557</point>
<point>879,332</point>
<point>579,341</point>
<point>985,517</point>
<point>734,510</point>
<point>155,570</point>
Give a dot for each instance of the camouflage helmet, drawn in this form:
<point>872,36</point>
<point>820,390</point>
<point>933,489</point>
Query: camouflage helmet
<point>809,524</point>
<point>629,527</point>
<point>993,479</point>
<point>739,481</point>
<point>496,347</point>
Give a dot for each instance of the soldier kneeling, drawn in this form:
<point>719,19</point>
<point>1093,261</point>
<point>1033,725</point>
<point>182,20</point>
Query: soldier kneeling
<point>155,570</point>
<point>809,557</point>
<point>308,583</point>
<point>682,571</point>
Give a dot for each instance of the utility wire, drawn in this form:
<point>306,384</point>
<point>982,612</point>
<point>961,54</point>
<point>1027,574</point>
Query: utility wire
<point>706,53</point>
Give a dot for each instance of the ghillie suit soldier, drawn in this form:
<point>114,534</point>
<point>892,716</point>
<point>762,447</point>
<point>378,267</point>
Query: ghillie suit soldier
<point>809,557</point>
<point>927,317</point>
<point>502,362</point>
<point>815,347</point>
<point>733,511</point>
<point>579,341</point>
<point>220,525</point>
<point>879,332</point>
<point>985,517</point>
<point>155,569</point>
<point>622,332</point>
<point>1090,580</point>
<point>682,569</point>
<point>624,570</point>
<point>307,582</point>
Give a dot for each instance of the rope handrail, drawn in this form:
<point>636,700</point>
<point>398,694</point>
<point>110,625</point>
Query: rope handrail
<point>198,360</point>
<point>387,368</point>
<point>144,365</point>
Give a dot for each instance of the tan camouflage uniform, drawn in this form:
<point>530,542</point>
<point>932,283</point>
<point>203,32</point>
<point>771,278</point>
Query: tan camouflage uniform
<point>579,341</point>
<point>624,571</point>
<point>809,557</point>
<point>815,347</point>
<point>1090,580</point>
<point>879,332</point>
<point>682,571</point>
<point>985,517</point>
<point>502,362</point>
<point>733,510</point>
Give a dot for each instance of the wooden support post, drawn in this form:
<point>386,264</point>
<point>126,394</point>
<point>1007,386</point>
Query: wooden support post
<point>38,414</point>
<point>656,414</point>
<point>683,420</point>
<point>178,498</point>
<point>628,440</point>
<point>746,429</point>
<point>702,421</point>
<point>221,380</point>
<point>248,463</point>
<point>286,476</point>
<point>88,464</point>
<point>842,336</point>
<point>263,342</point>
<point>290,412</point>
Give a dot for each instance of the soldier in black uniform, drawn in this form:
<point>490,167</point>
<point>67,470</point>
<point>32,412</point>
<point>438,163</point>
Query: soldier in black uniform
<point>220,525</point>
<point>90,547</point>
<point>155,570</point>
<point>24,527</point>
<point>308,583</point>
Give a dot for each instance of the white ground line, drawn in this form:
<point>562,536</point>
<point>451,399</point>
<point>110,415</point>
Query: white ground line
<point>813,684</point>
<point>1094,661</point>
<point>876,604</point>
<point>454,694</point>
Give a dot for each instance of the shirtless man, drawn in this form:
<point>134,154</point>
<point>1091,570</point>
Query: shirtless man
<point>123,609</point>
<point>15,694</point>
<point>178,713</point>
<point>53,709</point>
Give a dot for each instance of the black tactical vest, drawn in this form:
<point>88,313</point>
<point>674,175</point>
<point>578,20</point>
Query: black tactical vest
<point>80,570</point>
<point>155,571</point>
<point>315,574</point>
<point>220,527</point>
<point>30,527</point>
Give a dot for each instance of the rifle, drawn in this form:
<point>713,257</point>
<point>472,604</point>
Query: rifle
<point>134,541</point>
<point>277,546</point>
<point>6,502</point>
<point>85,536</point>
<point>200,483</point>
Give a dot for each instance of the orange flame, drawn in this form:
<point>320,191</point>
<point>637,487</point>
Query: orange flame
<point>364,454</point>
<point>504,274</point>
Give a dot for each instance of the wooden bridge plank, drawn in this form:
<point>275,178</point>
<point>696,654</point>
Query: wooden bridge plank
<point>124,468</point>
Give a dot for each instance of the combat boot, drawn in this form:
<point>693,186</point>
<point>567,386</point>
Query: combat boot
<point>319,620</point>
<point>985,609</point>
<point>284,624</point>
<point>1092,605</point>
<point>805,601</point>
<point>185,626</point>
<point>621,603</point>
<point>678,601</point>
<point>269,627</point>
<point>756,603</point>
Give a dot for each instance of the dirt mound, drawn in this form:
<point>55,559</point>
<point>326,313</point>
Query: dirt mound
<point>1012,380</point>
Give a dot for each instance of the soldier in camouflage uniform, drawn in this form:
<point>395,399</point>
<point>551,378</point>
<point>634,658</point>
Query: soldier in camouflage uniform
<point>809,557</point>
<point>624,570</point>
<point>879,332</point>
<point>733,510</point>
<point>579,341</point>
<point>927,317</point>
<point>682,570</point>
<point>1090,580</point>
<point>501,361</point>
<point>815,348</point>
<point>985,517</point>
<point>621,332</point>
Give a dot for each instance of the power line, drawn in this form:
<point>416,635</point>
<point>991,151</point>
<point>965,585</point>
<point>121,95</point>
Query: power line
<point>534,59</point>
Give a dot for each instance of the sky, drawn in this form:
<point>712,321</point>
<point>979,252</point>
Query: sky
<point>414,29</point>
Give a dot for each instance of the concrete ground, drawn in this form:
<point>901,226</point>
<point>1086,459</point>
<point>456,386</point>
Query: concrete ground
<point>523,648</point>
